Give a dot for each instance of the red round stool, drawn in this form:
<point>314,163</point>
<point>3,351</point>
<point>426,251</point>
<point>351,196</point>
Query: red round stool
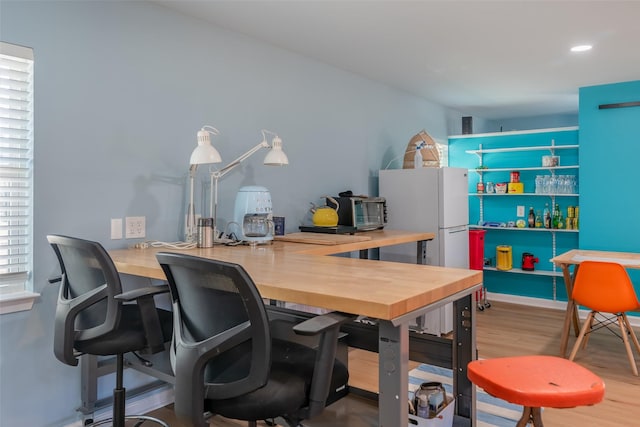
<point>535,382</point>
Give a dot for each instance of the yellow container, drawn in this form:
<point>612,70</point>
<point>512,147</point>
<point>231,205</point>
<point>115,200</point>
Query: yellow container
<point>504,257</point>
<point>515,187</point>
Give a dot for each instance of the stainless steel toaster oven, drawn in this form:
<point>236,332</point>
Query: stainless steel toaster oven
<point>363,213</point>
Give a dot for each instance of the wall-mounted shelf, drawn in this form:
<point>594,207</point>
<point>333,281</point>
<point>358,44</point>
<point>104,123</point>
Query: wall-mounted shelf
<point>524,194</point>
<point>535,168</point>
<point>551,148</point>
<point>522,152</point>
<point>526,229</point>
<point>520,271</point>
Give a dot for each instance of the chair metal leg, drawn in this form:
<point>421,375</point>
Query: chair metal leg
<point>142,419</point>
<point>119,403</point>
<point>119,394</point>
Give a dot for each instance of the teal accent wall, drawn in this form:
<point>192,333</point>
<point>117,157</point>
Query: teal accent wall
<point>610,161</point>
<point>502,209</point>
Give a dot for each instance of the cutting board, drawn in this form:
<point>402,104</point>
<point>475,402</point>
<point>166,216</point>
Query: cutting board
<point>321,239</point>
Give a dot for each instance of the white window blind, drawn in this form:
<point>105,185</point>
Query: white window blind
<point>16,167</point>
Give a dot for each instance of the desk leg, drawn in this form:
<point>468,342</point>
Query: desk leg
<point>88,383</point>
<point>566,327</point>
<point>571,315</point>
<point>373,253</point>
<point>393,370</point>
<point>421,259</point>
<point>464,351</point>
<point>421,256</point>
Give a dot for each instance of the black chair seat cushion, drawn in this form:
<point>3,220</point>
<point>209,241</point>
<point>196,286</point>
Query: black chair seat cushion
<point>286,389</point>
<point>128,336</point>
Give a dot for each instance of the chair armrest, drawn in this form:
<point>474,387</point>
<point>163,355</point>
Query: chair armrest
<point>134,294</point>
<point>64,324</point>
<point>328,326</point>
<point>321,323</point>
<point>148,313</point>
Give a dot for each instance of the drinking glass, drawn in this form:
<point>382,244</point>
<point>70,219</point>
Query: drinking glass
<point>539,184</point>
<point>546,183</point>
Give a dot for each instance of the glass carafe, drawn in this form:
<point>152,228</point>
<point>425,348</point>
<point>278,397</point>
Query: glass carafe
<point>256,225</point>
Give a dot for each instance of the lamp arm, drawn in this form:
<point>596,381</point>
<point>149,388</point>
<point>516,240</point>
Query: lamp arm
<point>191,211</point>
<point>222,172</point>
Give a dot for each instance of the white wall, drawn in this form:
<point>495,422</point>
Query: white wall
<point>535,122</point>
<point>121,89</point>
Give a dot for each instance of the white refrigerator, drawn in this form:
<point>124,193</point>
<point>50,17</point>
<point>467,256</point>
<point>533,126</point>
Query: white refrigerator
<point>433,200</point>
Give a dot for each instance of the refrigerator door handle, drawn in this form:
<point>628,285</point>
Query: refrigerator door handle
<point>460,229</point>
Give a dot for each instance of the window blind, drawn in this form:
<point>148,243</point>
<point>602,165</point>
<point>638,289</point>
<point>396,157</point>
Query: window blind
<point>16,167</point>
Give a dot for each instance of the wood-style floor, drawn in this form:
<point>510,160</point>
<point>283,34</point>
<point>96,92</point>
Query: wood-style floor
<point>509,330</point>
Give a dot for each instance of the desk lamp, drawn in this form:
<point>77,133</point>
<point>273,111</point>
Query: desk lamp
<point>275,157</point>
<point>204,153</point>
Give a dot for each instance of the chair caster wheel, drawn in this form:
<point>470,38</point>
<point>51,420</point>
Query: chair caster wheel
<point>481,307</point>
<point>487,305</point>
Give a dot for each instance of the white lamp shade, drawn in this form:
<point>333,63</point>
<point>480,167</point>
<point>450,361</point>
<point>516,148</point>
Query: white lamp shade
<point>205,152</point>
<point>275,156</point>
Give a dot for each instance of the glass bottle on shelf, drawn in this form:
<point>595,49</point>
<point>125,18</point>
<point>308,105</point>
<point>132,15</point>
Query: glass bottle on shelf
<point>531,222</point>
<point>547,216</point>
<point>538,221</point>
<point>556,216</point>
<point>561,220</point>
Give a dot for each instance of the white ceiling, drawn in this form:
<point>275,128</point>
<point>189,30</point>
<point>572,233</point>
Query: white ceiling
<point>489,59</point>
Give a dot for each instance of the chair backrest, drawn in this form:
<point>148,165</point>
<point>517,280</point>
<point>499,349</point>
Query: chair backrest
<point>86,307</point>
<point>221,328</point>
<point>605,287</point>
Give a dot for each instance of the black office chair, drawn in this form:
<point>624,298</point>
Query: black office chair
<point>227,361</point>
<point>94,316</point>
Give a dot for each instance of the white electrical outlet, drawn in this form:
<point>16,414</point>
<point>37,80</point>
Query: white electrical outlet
<point>520,212</point>
<point>116,228</point>
<point>134,227</point>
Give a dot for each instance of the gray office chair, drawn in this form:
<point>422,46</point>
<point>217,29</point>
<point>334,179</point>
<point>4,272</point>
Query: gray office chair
<point>227,361</point>
<point>94,316</point>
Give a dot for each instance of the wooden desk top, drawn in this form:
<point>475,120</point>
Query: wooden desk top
<point>357,242</point>
<point>576,256</point>
<point>295,273</point>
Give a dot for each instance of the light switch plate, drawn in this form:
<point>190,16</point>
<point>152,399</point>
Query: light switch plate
<point>520,212</point>
<point>116,228</point>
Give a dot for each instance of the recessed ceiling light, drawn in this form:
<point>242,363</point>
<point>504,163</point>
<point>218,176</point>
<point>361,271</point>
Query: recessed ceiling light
<point>581,48</point>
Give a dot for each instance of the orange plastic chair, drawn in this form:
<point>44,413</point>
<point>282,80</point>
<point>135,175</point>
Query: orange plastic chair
<point>536,382</point>
<point>605,287</point>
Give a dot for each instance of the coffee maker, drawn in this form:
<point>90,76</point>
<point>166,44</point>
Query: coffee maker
<point>253,215</point>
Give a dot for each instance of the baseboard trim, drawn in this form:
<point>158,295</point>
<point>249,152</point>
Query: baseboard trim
<point>142,404</point>
<point>545,303</point>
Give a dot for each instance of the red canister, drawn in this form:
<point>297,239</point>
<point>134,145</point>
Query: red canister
<point>515,176</point>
